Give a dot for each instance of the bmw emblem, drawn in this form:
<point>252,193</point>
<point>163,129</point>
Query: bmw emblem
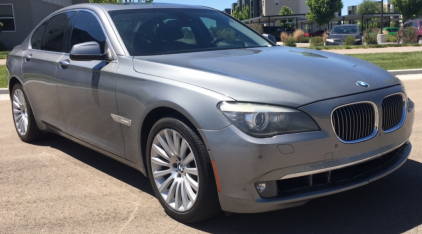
<point>363,84</point>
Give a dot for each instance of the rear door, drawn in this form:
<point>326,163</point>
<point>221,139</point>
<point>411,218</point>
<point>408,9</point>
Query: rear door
<point>87,89</point>
<point>40,66</point>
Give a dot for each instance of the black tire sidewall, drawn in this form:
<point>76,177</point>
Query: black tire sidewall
<point>206,180</point>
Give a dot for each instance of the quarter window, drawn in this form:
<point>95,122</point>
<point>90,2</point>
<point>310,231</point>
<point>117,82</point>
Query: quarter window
<point>415,25</point>
<point>37,36</point>
<point>7,17</point>
<point>55,35</point>
<point>87,29</point>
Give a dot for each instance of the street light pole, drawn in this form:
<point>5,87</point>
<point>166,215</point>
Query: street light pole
<point>382,15</point>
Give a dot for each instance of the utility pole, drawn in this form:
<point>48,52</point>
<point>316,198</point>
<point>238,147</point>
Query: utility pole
<point>382,15</point>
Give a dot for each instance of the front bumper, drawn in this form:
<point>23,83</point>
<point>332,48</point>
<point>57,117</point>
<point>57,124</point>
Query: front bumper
<point>242,160</point>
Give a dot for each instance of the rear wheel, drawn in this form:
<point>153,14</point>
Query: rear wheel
<point>419,40</point>
<point>400,40</point>
<point>23,118</point>
<point>180,172</point>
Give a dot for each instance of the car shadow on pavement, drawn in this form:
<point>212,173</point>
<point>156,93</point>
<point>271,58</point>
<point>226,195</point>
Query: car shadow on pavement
<point>100,162</point>
<point>392,204</point>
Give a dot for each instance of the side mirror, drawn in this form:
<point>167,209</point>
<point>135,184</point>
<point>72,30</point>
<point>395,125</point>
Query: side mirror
<point>86,52</point>
<point>270,37</point>
<point>327,33</point>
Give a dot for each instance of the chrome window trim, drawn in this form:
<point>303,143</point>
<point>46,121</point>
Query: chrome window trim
<point>376,124</point>
<point>404,115</point>
<point>294,175</point>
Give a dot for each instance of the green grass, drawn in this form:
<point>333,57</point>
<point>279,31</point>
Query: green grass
<point>393,61</point>
<point>3,54</point>
<point>360,46</point>
<point>3,76</point>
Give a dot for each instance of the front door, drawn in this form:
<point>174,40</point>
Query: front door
<point>87,90</point>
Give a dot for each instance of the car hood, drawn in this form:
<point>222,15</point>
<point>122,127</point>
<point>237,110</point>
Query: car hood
<point>276,75</point>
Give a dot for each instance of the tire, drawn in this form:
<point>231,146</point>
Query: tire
<point>175,172</point>
<point>23,117</point>
<point>400,41</point>
<point>419,40</point>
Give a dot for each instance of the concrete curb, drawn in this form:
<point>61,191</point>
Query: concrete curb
<point>406,72</point>
<point>4,91</point>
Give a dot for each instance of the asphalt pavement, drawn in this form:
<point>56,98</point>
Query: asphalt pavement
<point>57,186</point>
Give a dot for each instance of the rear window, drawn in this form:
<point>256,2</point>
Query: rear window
<point>169,31</point>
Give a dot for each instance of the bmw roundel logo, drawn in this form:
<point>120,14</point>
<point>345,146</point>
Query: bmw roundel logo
<point>363,84</point>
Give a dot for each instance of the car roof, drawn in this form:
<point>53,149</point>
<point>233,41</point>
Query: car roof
<point>345,25</point>
<point>134,6</point>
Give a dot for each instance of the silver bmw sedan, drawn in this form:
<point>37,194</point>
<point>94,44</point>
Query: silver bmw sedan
<point>215,114</point>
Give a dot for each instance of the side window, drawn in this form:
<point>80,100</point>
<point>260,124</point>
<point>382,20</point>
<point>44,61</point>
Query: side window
<point>37,36</point>
<point>58,29</point>
<point>86,29</point>
<point>415,25</point>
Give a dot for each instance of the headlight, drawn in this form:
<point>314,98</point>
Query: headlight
<point>265,120</point>
<point>329,40</point>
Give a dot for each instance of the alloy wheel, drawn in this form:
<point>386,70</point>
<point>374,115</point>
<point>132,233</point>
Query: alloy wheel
<point>20,112</point>
<point>174,169</point>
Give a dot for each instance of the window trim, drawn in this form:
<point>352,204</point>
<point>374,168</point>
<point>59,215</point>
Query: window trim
<point>14,17</point>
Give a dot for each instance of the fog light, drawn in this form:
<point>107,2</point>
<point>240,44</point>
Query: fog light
<point>266,189</point>
<point>261,187</point>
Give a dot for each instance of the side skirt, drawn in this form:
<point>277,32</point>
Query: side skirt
<point>116,157</point>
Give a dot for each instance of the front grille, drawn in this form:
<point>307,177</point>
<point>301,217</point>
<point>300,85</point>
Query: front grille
<point>392,111</point>
<point>354,122</point>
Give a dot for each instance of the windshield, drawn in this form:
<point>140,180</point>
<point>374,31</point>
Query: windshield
<point>345,30</point>
<point>169,31</point>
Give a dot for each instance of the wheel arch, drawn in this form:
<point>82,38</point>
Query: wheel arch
<point>12,82</point>
<point>152,117</point>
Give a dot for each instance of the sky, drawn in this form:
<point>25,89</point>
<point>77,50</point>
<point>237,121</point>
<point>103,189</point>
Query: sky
<point>222,4</point>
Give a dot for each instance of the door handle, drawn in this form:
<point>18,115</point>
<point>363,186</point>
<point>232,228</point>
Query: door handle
<point>64,64</point>
<point>28,57</point>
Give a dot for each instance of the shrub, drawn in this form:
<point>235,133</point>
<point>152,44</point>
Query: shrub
<point>298,34</point>
<point>257,27</point>
<point>304,40</point>
<point>385,32</point>
<point>349,40</point>
<point>317,41</point>
<point>283,36</point>
<point>409,34</point>
<point>1,27</point>
<point>390,38</point>
<point>370,36</point>
<point>2,46</point>
<point>290,41</point>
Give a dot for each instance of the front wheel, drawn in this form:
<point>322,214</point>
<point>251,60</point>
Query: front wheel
<point>23,118</point>
<point>419,40</point>
<point>181,172</point>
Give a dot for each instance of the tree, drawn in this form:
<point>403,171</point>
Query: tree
<point>410,9</point>
<point>369,7</point>
<point>323,11</point>
<point>241,15</point>
<point>285,11</point>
